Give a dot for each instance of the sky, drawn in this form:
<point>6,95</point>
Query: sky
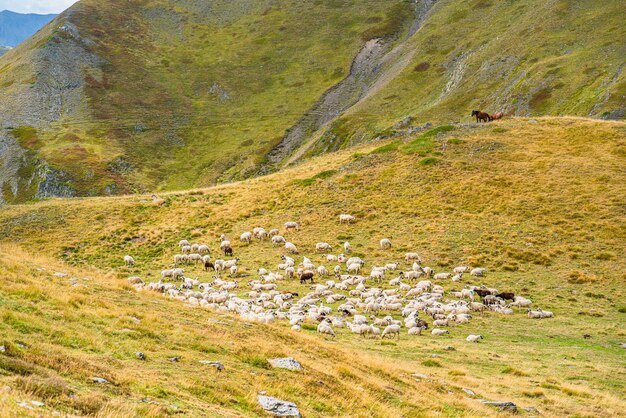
<point>36,6</point>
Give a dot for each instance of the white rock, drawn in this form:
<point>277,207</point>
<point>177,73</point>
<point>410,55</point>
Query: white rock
<point>279,407</point>
<point>286,363</point>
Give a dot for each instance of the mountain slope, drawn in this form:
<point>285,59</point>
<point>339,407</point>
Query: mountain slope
<point>17,27</point>
<point>540,203</point>
<point>172,93</point>
<point>129,96</point>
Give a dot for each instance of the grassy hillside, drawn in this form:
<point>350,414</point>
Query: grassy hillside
<point>529,58</point>
<point>537,202</point>
<point>182,92</point>
<point>132,96</point>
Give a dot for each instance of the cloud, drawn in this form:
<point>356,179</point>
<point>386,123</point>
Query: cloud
<point>36,6</point>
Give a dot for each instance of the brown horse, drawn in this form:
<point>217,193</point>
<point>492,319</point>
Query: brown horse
<point>497,116</point>
<point>481,116</point>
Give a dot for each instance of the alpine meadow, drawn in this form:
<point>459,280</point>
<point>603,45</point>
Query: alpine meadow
<point>324,208</point>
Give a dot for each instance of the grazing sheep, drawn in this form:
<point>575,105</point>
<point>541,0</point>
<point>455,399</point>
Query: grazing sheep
<point>521,302</point>
<point>347,247</point>
<point>228,251</point>
<point>344,217</point>
<point>438,332</point>
<point>385,244</point>
<point>392,266</point>
<point>173,273</point>
<point>412,257</point>
<point>457,277</point>
<point>461,269</point>
<point>321,271</point>
<point>224,244</point>
<point>324,328</point>
<point>331,257</point>
<point>233,271</point>
<point>539,314</point>
<point>204,249</point>
<point>354,268</point>
<point>478,272</point>
<point>208,265</point>
<point>278,239</point>
<point>291,248</point>
<point>129,260</point>
<point>292,225</point>
<point>473,338</point>
<point>273,232</point>
<point>323,246</point>
<point>415,330</point>
<point>392,330</point>
<point>186,249</point>
<point>182,243</point>
<point>442,276</point>
<point>246,237</point>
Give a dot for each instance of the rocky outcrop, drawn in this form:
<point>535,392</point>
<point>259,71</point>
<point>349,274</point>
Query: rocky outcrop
<point>279,408</point>
<point>48,88</point>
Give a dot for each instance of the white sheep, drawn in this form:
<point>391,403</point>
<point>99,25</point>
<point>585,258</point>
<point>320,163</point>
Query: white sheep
<point>416,330</point>
<point>246,237</point>
<point>324,328</point>
<point>182,243</point>
<point>385,243</point>
<point>354,268</point>
<point>321,271</point>
<point>224,244</point>
<point>478,272</point>
<point>473,338</point>
<point>438,332</point>
<point>278,239</point>
<point>442,276</point>
<point>130,261</point>
<point>273,232</point>
<point>392,266</point>
<point>461,269</point>
<point>392,330</point>
<point>292,225</point>
<point>344,217</point>
<point>290,247</point>
<point>233,271</point>
<point>412,257</point>
<point>323,246</point>
<point>347,247</point>
<point>186,249</point>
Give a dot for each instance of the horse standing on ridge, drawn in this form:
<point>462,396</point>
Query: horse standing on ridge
<point>481,116</point>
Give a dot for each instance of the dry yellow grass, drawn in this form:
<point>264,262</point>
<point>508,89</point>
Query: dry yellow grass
<point>541,204</point>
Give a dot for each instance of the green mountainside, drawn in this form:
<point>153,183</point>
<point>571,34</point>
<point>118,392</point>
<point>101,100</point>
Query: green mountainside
<point>129,96</point>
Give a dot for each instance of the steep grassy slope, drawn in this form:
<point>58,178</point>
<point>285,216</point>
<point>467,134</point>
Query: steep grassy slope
<point>527,58</point>
<point>539,203</point>
<point>131,96</point>
<point>178,92</point>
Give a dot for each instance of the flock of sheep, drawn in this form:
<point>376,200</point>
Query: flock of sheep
<point>366,304</point>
